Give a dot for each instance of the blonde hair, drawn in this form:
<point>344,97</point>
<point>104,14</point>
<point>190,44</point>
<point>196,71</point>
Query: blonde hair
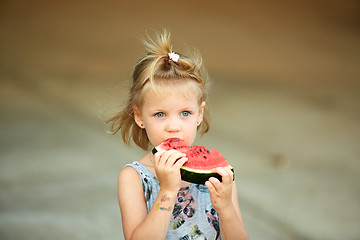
<point>156,67</point>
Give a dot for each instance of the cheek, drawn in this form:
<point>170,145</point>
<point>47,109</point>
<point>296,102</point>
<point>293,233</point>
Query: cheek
<point>155,131</point>
<point>190,135</point>
<point>194,127</point>
<point>153,136</point>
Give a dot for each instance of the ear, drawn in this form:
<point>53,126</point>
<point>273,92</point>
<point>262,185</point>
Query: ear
<point>138,117</point>
<point>201,113</point>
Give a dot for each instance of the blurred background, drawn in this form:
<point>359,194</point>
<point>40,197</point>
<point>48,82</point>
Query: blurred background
<point>284,100</point>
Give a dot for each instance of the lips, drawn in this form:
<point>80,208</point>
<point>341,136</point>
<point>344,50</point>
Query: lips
<point>174,137</point>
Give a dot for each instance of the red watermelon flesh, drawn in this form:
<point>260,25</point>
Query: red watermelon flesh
<point>200,160</point>
<point>204,159</point>
<point>174,143</point>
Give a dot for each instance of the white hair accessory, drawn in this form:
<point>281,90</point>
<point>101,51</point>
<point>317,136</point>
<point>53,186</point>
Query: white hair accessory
<point>173,56</point>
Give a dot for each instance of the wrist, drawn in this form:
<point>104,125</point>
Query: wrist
<point>172,194</point>
<point>169,189</point>
<point>165,200</point>
<point>227,213</point>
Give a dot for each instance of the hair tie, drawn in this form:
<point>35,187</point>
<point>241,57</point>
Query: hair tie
<point>173,56</point>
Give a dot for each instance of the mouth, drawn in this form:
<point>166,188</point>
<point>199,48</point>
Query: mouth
<point>174,139</point>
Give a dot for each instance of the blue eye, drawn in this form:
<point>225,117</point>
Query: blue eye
<point>159,114</point>
<point>185,113</point>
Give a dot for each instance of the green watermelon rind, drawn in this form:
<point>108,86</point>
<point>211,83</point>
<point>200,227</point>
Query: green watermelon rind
<point>199,176</point>
<point>155,150</point>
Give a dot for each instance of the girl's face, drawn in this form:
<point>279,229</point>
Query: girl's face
<point>170,113</point>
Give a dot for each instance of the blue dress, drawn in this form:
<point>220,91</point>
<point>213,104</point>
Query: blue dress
<point>193,215</point>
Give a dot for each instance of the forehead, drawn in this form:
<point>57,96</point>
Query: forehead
<point>185,88</point>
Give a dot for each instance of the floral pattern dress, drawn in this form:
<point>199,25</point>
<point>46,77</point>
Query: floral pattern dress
<point>193,217</point>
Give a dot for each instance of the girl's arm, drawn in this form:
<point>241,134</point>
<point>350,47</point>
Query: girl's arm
<point>137,223</point>
<point>225,201</point>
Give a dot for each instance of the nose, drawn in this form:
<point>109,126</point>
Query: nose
<point>173,126</point>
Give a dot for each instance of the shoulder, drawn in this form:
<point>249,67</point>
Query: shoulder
<point>129,188</point>
<point>128,178</point>
<point>128,172</point>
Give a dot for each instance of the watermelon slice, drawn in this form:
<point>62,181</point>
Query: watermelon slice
<point>200,160</point>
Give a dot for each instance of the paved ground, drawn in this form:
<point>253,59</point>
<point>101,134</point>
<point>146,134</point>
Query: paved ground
<point>284,103</point>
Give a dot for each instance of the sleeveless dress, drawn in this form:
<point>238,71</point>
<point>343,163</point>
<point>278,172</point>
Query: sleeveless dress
<point>193,215</point>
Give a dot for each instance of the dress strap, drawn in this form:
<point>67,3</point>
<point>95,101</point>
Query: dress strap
<point>140,168</point>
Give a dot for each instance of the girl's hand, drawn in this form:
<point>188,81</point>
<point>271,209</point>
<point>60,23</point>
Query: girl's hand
<point>221,192</point>
<point>167,167</point>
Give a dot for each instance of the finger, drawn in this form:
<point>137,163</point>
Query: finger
<point>174,157</point>
<point>221,172</point>
<point>231,174</point>
<point>180,162</point>
<point>157,157</point>
<point>216,184</point>
<point>224,174</point>
<point>165,156</point>
<point>210,187</point>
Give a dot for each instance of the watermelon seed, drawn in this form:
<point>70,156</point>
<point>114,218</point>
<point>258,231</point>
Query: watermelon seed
<point>205,157</point>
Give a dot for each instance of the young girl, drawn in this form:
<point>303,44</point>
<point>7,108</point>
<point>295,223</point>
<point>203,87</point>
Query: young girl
<point>167,100</point>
